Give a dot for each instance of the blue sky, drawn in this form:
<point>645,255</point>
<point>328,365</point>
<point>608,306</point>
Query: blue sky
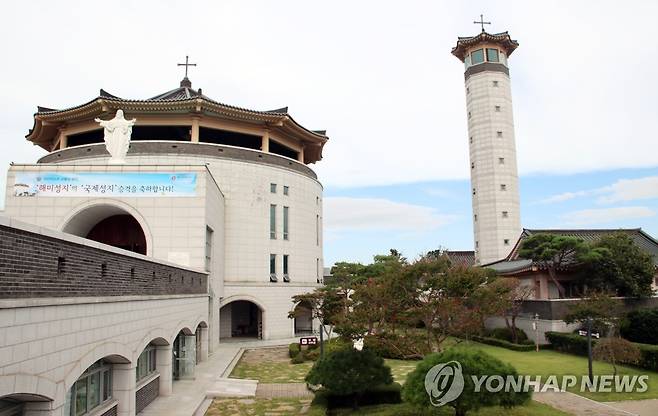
<point>544,204</point>
<point>379,77</point>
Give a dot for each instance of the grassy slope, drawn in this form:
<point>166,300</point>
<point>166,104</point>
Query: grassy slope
<point>546,363</point>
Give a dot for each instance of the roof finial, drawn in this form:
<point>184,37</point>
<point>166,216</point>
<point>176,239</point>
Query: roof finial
<point>186,82</point>
<point>481,22</point>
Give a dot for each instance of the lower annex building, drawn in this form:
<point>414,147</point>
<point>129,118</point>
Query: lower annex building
<point>116,278</point>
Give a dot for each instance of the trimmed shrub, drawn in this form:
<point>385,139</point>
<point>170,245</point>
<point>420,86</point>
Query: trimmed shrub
<point>349,372</point>
<point>526,346</point>
<point>293,350</point>
<point>640,326</point>
<point>384,394</point>
<point>472,363</point>
<point>394,346</point>
<point>506,334</point>
<point>329,346</point>
<point>298,359</point>
<point>576,344</point>
<point>571,343</point>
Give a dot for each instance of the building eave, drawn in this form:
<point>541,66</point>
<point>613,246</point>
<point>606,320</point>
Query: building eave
<point>502,39</point>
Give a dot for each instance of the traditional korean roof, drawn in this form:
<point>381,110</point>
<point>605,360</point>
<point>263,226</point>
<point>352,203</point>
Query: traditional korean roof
<point>513,263</point>
<point>183,99</point>
<point>461,257</point>
<point>502,39</point>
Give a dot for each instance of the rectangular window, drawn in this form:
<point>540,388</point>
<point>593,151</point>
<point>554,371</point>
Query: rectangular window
<point>498,109</point>
<point>286,190</point>
<point>475,217</point>
<point>94,390</point>
<point>477,57</point>
<point>506,242</point>
<point>273,266</point>
<point>209,234</point>
<point>285,265</point>
<point>503,187</point>
<point>273,188</point>
<point>273,222</point>
<point>504,214</point>
<point>495,83</point>
<point>81,397</point>
<point>499,133</point>
<point>501,160</point>
<point>317,230</point>
<point>317,270</point>
<point>472,165</point>
<point>492,55</point>
<point>146,363</point>
<point>285,223</point>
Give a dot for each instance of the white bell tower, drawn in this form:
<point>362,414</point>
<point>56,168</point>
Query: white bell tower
<point>494,175</point>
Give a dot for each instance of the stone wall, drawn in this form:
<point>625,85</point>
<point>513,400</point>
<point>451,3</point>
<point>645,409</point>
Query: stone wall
<point>34,265</point>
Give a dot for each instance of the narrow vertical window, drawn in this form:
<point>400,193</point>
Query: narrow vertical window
<point>317,270</point>
<point>499,133</point>
<point>317,230</point>
<point>273,268</point>
<point>470,139</point>
<point>286,277</point>
<point>503,187</point>
<point>504,214</point>
<point>501,160</point>
<point>286,190</point>
<point>273,188</point>
<point>285,222</point>
<point>273,222</point>
<point>506,242</point>
<point>209,234</point>
<point>495,83</point>
<point>472,165</point>
<point>498,108</point>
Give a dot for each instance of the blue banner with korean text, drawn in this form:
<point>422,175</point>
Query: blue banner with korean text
<point>105,184</point>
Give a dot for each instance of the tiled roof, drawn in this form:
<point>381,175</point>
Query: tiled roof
<point>503,39</point>
<point>514,263</point>
<point>462,258</point>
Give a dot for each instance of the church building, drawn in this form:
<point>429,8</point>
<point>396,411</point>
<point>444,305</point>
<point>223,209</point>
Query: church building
<point>153,230</point>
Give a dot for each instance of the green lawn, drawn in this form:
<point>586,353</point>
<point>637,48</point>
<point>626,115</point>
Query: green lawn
<point>547,362</point>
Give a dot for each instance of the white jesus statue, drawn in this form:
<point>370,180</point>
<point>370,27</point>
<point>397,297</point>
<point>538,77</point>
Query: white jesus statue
<point>117,136</point>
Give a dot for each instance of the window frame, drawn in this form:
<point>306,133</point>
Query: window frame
<point>286,223</point>
<point>272,188</point>
<point>272,221</point>
<point>497,55</point>
<point>148,356</point>
<point>103,370</point>
<point>473,61</point>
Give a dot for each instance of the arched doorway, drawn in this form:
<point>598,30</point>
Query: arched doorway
<point>18,404</point>
<point>241,319</point>
<point>111,225</point>
<point>303,319</point>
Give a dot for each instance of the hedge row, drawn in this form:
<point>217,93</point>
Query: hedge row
<point>526,346</point>
<point>576,344</point>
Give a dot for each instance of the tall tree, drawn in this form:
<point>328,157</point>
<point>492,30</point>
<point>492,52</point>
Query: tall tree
<point>622,267</point>
<point>554,252</point>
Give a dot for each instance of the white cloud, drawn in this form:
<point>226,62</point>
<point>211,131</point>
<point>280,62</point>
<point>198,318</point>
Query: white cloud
<point>388,90</point>
<point>343,213</point>
<point>631,190</point>
<point>606,215</point>
<point>623,190</point>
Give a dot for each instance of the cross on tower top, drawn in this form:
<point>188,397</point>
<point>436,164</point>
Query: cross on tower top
<point>481,22</point>
<point>186,64</point>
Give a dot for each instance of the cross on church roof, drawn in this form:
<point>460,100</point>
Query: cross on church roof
<point>186,64</point>
<point>481,22</point>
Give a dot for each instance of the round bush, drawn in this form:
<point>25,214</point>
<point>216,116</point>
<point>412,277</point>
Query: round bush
<point>473,363</point>
<point>347,372</point>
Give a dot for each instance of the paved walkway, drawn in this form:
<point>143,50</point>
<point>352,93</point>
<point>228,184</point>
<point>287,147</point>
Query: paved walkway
<point>287,390</point>
<point>579,405</point>
<point>638,407</point>
<point>210,377</point>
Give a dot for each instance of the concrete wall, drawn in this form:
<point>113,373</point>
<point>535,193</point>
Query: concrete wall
<point>484,92</point>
